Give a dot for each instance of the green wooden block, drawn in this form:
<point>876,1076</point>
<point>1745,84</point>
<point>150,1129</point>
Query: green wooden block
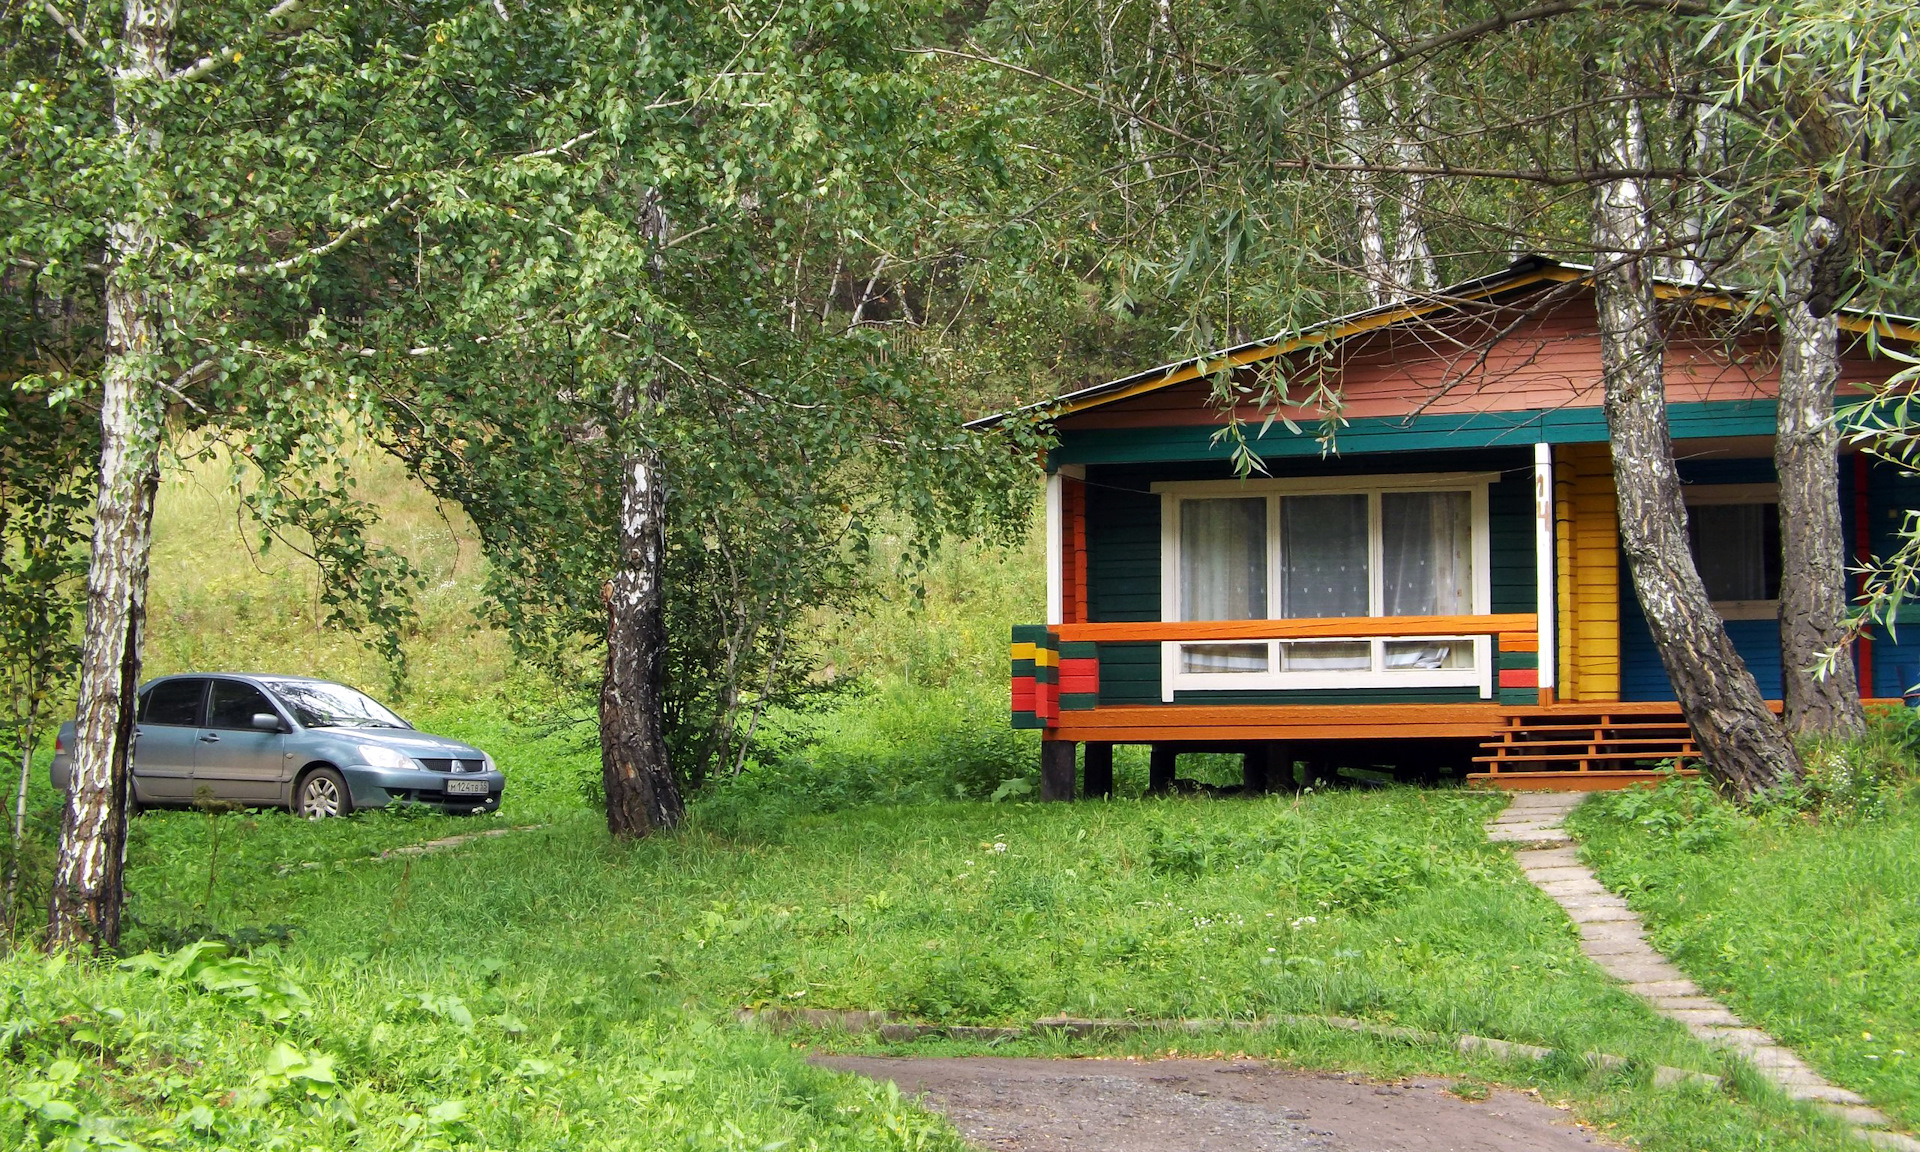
<point>1079,701</point>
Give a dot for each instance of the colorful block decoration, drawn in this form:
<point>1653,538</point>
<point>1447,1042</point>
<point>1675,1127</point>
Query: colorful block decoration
<point>1049,676</point>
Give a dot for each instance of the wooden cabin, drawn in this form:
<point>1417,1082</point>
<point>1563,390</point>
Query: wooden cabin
<point>1441,588</point>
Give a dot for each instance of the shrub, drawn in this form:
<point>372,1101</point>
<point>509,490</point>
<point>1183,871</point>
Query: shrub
<point>1683,811</point>
<point>1857,777</point>
<point>899,745</point>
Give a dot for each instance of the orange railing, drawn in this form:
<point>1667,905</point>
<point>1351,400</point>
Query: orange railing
<point>1517,631</point>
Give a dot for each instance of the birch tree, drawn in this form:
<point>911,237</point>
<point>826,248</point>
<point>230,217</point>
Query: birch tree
<point>205,176</point>
<point>44,451</point>
<point>675,362</point>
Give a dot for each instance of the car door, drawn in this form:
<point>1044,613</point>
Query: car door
<point>235,759</point>
<point>167,739</point>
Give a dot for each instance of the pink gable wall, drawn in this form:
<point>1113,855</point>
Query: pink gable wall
<point>1447,368</point>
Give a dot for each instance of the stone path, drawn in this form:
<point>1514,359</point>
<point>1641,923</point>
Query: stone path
<point>1612,936</point>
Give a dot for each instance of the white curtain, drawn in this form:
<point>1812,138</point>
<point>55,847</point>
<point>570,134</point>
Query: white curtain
<point>1223,559</point>
<point>1427,553</point>
<point>1323,556</point>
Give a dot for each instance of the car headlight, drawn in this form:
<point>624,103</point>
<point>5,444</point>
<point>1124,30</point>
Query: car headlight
<point>486,763</point>
<point>380,756</point>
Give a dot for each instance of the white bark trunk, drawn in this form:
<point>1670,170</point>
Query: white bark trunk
<point>1414,273</point>
<point>84,911</point>
<point>1350,125</point>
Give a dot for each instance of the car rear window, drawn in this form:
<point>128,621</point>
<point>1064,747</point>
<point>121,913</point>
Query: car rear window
<point>174,702</point>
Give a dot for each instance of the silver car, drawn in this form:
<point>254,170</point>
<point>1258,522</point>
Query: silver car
<point>319,748</point>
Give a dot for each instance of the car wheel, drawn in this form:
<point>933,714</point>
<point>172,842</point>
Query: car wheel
<point>322,793</point>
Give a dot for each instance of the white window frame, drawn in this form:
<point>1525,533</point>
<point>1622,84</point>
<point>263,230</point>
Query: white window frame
<point>1702,495</point>
<point>1378,675</point>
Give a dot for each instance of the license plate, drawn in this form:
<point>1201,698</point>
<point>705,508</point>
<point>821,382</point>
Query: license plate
<point>466,787</point>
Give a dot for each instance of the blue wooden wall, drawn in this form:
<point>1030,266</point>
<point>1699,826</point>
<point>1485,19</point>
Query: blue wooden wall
<point>1896,666</point>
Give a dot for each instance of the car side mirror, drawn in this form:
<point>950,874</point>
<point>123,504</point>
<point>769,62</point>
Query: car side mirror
<point>268,722</point>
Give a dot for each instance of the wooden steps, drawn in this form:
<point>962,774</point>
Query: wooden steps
<point>1603,746</point>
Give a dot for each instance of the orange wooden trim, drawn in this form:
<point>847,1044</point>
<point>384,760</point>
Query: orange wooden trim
<point>1601,780</point>
<point>1074,579</point>
<point>1228,714</point>
<point>1334,628</point>
<point>1519,641</point>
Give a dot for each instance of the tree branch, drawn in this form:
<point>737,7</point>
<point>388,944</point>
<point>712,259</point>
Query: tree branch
<point>1500,21</point>
<point>73,32</point>
<point>1542,176</point>
<point>346,234</point>
<point>213,63</point>
<point>1095,97</point>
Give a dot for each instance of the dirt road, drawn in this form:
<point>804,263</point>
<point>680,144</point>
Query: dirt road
<point>1033,1105</point>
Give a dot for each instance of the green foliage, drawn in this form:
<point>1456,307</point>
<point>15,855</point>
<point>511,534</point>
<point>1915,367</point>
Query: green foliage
<point>1683,812</point>
<point>163,1054</point>
<point>1856,778</point>
<point>893,744</point>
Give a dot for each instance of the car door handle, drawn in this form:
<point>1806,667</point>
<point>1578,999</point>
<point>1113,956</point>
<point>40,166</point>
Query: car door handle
<point>209,738</point>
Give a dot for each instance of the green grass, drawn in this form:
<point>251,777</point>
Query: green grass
<point>1806,927</point>
<point>435,978</point>
<point>551,989</point>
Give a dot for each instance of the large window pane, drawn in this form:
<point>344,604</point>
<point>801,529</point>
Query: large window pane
<point>1223,559</point>
<point>1737,549</point>
<point>1426,553</point>
<point>1323,556</point>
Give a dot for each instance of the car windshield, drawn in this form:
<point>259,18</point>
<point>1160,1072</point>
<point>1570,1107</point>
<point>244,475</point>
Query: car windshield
<point>318,704</point>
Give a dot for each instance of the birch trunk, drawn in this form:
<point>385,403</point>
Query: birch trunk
<point>84,911</point>
<point>1414,272</point>
<point>1821,696</point>
<point>1744,747</point>
<point>635,768</point>
<point>8,913</point>
<point>641,793</point>
<point>1351,126</point>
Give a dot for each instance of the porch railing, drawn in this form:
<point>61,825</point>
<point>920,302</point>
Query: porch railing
<point>1056,667</point>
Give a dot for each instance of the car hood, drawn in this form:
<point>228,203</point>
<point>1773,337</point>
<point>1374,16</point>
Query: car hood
<point>409,742</point>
